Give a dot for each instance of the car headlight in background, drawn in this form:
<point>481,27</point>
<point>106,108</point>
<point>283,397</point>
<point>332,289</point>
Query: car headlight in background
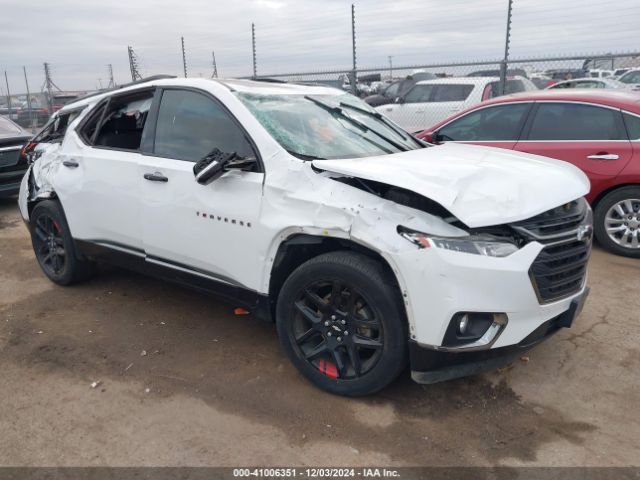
<point>471,244</point>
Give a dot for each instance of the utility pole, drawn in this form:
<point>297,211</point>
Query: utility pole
<point>48,84</point>
<point>215,67</point>
<point>133,65</point>
<point>253,48</point>
<point>354,73</point>
<point>112,83</point>
<point>505,60</point>
<point>26,82</point>
<point>390,67</point>
<point>6,80</point>
<point>184,58</point>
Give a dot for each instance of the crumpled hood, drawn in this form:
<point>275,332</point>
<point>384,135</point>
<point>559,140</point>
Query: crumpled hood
<point>481,186</point>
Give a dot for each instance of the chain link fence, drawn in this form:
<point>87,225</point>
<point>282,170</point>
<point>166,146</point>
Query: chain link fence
<point>446,88</point>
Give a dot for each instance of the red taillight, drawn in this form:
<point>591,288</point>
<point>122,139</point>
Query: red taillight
<point>27,149</point>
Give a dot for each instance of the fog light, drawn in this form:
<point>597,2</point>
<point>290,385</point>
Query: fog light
<point>473,330</point>
<point>464,323</point>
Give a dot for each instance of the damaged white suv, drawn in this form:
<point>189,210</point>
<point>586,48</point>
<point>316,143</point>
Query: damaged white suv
<point>300,203</point>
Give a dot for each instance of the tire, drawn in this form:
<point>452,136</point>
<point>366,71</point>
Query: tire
<point>619,209</point>
<point>342,292</point>
<point>54,247</point>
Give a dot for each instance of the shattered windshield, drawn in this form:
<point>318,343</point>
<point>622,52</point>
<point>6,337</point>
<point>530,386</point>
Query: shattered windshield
<point>327,126</point>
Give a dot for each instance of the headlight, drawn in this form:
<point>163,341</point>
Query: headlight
<point>470,244</point>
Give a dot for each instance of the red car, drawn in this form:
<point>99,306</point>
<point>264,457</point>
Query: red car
<point>599,132</point>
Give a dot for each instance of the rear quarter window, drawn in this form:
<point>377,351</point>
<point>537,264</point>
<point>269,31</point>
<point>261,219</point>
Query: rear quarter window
<point>632,122</point>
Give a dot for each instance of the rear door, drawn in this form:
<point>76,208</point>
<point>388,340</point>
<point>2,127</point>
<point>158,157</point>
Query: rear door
<point>591,137</point>
<point>210,230</point>
<point>98,182</point>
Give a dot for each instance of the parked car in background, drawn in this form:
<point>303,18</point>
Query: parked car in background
<point>428,102</point>
<point>559,74</point>
<point>397,89</point>
<point>511,72</point>
<point>620,71</point>
<point>631,79</point>
<point>598,131</point>
<point>12,165</point>
<point>541,80</point>
<point>369,248</point>
<point>588,83</point>
<point>600,73</point>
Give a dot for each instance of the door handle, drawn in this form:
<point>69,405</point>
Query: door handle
<point>155,177</point>
<point>604,156</point>
<point>70,163</point>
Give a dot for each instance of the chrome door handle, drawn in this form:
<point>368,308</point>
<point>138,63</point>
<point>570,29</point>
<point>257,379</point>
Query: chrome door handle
<point>70,163</point>
<point>604,156</point>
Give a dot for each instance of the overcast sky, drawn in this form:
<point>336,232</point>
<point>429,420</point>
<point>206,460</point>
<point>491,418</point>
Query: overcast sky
<point>80,37</point>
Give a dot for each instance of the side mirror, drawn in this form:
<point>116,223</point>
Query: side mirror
<point>215,164</point>
<point>399,100</point>
<point>427,137</point>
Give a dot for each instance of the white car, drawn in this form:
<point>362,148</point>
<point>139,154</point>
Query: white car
<point>302,204</point>
<point>631,79</point>
<point>588,83</point>
<point>431,101</point>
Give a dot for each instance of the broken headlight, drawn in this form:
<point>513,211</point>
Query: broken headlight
<point>478,245</point>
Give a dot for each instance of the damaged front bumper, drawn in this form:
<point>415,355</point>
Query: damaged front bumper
<point>432,365</point>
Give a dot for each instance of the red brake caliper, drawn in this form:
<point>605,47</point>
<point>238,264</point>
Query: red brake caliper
<point>328,368</point>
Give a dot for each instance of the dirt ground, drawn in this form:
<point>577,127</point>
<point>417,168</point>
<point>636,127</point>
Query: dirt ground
<point>185,382</point>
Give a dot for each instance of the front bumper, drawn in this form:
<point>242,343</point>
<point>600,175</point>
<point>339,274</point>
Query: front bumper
<point>430,365</point>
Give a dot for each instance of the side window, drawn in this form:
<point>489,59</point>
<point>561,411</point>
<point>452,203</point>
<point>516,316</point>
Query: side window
<point>392,90</point>
<point>487,124</point>
<point>121,125</point>
<point>419,94</point>
<point>191,125</point>
<point>451,93</point>
<point>633,126</point>
<point>570,121</point>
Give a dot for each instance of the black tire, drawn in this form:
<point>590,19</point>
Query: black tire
<point>604,215</point>
<point>309,314</point>
<point>54,246</point>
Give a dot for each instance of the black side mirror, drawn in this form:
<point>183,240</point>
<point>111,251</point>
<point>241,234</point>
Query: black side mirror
<point>212,166</point>
<point>399,100</point>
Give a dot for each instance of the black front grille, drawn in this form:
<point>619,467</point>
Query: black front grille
<point>560,268</point>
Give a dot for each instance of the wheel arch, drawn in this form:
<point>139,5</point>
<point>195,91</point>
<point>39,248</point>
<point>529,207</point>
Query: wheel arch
<point>604,193</point>
<point>298,248</point>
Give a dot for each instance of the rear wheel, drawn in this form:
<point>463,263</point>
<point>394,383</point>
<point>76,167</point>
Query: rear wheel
<point>617,221</point>
<point>341,323</point>
<point>53,245</point>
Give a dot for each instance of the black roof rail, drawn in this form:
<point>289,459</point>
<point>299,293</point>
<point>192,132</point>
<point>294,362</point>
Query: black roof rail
<point>130,84</point>
<point>268,80</point>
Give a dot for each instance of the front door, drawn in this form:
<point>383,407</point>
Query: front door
<point>206,230</point>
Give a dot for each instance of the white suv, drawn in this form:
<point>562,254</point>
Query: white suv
<point>301,204</point>
<point>431,101</point>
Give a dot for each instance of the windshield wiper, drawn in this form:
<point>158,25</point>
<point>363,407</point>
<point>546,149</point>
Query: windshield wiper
<point>302,156</point>
<point>362,126</point>
<point>378,116</point>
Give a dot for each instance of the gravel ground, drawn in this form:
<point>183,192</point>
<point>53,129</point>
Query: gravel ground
<point>182,381</point>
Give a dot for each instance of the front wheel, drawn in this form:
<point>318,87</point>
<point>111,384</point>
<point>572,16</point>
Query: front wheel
<point>341,322</point>
<point>617,221</point>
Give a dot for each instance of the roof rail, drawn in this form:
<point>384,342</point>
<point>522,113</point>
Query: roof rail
<point>268,80</point>
<point>130,84</point>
